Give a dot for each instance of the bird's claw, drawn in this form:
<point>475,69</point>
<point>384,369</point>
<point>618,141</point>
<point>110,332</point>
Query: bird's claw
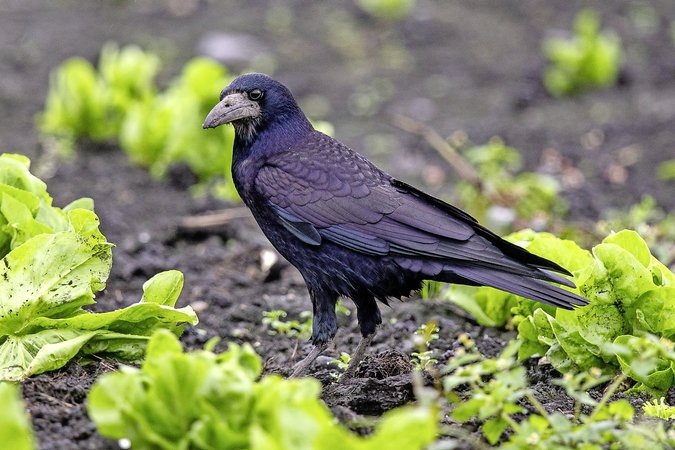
<point>301,367</point>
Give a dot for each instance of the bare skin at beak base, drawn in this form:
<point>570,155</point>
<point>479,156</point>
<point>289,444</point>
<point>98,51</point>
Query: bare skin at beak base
<point>232,107</point>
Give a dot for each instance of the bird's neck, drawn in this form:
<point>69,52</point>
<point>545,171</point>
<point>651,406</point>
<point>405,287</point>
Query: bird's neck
<point>251,151</point>
<point>270,139</point>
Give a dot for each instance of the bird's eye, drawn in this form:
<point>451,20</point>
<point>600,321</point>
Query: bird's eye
<point>255,94</point>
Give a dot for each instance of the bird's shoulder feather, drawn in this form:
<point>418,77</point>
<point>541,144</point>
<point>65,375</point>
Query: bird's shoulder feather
<point>322,174</point>
<point>323,190</point>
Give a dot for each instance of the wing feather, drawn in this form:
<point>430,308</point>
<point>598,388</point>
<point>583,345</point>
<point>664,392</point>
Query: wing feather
<point>327,192</point>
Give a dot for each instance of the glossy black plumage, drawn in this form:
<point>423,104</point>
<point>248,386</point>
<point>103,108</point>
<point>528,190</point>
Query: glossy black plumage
<point>351,229</point>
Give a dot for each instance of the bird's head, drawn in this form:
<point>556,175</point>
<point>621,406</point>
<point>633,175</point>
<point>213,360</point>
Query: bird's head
<point>253,102</point>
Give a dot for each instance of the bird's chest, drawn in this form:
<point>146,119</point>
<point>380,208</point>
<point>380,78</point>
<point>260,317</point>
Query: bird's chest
<point>244,172</point>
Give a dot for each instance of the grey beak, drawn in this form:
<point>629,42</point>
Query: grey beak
<point>232,107</point>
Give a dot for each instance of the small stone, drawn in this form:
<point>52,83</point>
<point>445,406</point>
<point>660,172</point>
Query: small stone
<point>231,49</point>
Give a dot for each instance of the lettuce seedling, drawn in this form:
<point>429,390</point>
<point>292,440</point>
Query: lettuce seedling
<point>659,408</point>
<point>590,59</point>
<point>494,392</point>
<point>84,103</point>
<point>15,429</point>
<point>203,400</point>
<point>128,75</point>
<point>522,196</point>
<point>162,131</point>
<point>53,263</point>
<point>274,320</point>
<point>74,107</point>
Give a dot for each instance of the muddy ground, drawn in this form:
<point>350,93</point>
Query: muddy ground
<point>470,66</point>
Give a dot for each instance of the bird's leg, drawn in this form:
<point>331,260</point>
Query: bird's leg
<point>301,367</point>
<point>358,356</point>
<point>368,315</point>
<point>324,327</point>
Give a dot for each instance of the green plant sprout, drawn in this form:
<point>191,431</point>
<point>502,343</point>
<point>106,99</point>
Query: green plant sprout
<point>290,328</point>
<point>422,359</point>
<point>492,402</point>
<point>577,386</point>
<point>589,59</point>
<point>387,9</point>
<point>666,170</point>
<point>301,329</point>
<point>498,391</point>
<point>522,197</point>
<point>659,408</point>
<point>654,224</point>
<point>342,362</point>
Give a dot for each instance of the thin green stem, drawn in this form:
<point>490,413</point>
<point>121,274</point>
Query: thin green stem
<point>455,431</point>
<point>608,394</point>
<point>577,410</point>
<point>537,405</point>
<point>515,426</point>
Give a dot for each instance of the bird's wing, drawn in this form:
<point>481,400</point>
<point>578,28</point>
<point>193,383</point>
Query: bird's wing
<point>339,196</point>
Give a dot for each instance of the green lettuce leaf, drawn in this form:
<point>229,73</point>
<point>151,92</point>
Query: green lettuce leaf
<point>53,262</point>
<point>490,307</point>
<point>15,429</point>
<point>202,400</point>
<point>30,354</point>
<point>631,294</point>
<point>122,333</point>
<point>51,275</point>
<point>648,360</point>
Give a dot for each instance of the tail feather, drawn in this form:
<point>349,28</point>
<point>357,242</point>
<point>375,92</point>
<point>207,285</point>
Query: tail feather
<point>551,276</point>
<point>532,288</point>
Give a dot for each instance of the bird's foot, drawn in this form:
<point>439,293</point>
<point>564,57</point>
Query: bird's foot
<point>357,357</point>
<point>301,367</point>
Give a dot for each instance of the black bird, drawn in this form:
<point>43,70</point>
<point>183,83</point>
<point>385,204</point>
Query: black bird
<point>351,229</point>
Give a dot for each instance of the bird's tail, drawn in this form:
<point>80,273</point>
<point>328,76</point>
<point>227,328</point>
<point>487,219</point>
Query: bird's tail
<point>537,289</point>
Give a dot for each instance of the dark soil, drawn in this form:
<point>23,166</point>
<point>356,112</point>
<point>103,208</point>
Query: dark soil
<point>470,66</point>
